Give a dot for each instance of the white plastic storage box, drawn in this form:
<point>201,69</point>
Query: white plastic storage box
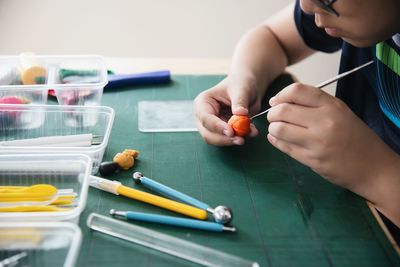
<point>56,129</point>
<point>75,80</point>
<point>40,244</point>
<point>67,173</point>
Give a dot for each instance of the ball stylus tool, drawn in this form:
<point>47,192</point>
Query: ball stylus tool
<point>327,82</point>
<point>117,188</point>
<point>221,214</point>
<point>171,220</point>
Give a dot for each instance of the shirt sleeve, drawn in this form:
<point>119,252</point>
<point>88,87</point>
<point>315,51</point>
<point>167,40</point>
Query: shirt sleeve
<point>314,37</point>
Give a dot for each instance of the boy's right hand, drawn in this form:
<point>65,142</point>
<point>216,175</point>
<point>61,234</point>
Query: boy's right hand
<point>215,106</point>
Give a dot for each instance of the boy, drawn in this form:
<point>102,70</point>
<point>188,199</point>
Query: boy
<point>352,140</point>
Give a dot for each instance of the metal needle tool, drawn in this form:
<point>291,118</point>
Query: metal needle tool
<point>327,82</point>
<point>170,220</point>
<point>13,260</point>
<point>117,188</point>
<point>221,214</point>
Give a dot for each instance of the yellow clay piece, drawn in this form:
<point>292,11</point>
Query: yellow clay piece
<point>124,161</point>
<point>131,152</point>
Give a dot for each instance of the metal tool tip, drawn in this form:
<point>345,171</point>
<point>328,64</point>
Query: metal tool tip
<point>223,214</point>
<point>136,177</point>
<point>230,229</point>
<point>112,212</point>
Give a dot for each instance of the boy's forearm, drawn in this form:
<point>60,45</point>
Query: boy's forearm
<point>259,58</point>
<point>386,192</point>
<point>378,180</point>
<point>264,52</point>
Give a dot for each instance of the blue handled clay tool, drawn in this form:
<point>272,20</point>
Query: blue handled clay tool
<point>170,220</point>
<point>135,79</point>
<point>221,214</point>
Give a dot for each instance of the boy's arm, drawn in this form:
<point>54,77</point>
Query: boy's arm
<point>265,51</point>
<point>384,181</point>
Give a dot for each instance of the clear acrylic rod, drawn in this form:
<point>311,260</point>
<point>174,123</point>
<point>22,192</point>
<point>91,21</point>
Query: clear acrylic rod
<point>165,243</point>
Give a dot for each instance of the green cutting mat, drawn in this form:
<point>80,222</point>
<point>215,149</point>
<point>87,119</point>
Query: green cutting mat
<point>286,215</point>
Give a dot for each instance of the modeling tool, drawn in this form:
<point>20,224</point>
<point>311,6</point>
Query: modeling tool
<point>13,260</point>
<point>221,214</point>
<point>327,82</point>
<point>136,79</point>
<point>170,220</point>
<point>117,188</point>
<point>38,197</point>
<point>76,140</point>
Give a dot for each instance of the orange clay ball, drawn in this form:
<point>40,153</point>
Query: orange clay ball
<point>240,124</point>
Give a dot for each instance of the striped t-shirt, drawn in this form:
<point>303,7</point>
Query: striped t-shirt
<point>388,78</point>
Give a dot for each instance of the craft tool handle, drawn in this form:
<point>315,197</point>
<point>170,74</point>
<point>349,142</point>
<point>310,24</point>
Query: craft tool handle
<point>162,202</point>
<point>61,140</point>
<point>165,243</point>
<point>172,193</point>
<point>117,188</point>
<point>146,78</point>
<point>169,220</point>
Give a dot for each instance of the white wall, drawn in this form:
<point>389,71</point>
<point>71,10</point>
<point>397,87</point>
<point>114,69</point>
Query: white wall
<point>147,28</point>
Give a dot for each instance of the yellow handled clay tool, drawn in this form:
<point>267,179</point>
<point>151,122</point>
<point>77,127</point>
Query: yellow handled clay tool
<point>117,188</point>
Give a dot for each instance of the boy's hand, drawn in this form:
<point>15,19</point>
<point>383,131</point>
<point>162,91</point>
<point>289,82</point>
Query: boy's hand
<point>215,106</point>
<point>320,131</point>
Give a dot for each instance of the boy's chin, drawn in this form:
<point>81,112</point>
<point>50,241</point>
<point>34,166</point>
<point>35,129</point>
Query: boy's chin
<point>360,43</point>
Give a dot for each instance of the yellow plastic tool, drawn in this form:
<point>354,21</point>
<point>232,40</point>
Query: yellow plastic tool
<point>32,208</point>
<point>117,188</point>
<point>34,193</point>
<point>63,200</point>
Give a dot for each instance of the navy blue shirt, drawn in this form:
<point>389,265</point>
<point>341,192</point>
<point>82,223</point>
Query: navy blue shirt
<point>372,93</point>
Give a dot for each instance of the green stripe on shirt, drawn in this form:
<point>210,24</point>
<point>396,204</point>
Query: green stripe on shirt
<point>388,56</point>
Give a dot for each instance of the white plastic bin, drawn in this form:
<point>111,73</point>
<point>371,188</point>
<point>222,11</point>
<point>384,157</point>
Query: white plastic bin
<point>19,122</point>
<point>40,244</point>
<point>63,171</point>
<point>76,79</point>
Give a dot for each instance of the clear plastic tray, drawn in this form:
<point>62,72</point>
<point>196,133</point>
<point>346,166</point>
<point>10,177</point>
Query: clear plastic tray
<point>18,122</point>
<point>76,80</point>
<point>64,171</point>
<point>40,244</point>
